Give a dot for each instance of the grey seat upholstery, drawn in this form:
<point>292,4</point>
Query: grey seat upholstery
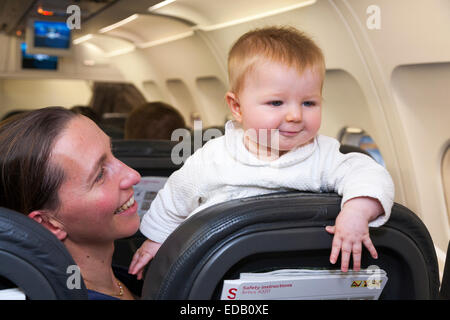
<point>148,157</point>
<point>33,259</point>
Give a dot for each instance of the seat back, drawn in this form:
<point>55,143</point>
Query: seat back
<point>33,259</point>
<point>445,285</point>
<point>346,148</point>
<point>148,157</point>
<point>279,231</point>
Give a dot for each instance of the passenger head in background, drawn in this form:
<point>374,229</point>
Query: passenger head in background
<point>276,76</point>
<point>12,113</point>
<point>87,112</point>
<point>108,97</point>
<point>58,169</point>
<point>153,121</point>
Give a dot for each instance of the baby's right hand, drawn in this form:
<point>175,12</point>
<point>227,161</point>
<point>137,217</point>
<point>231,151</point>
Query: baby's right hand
<point>142,256</point>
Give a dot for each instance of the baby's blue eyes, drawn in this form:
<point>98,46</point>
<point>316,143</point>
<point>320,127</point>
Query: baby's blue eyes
<point>309,103</point>
<point>277,103</point>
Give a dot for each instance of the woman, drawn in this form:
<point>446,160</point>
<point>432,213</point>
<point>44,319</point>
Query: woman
<point>57,168</point>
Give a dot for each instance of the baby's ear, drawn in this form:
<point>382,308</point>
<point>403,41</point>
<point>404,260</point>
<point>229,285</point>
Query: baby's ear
<point>234,105</point>
<point>54,226</point>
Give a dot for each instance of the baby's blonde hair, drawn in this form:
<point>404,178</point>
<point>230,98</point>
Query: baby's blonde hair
<point>285,45</point>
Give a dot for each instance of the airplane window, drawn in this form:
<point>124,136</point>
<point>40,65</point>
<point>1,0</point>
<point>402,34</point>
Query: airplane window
<point>446,178</point>
<point>152,90</point>
<point>359,138</point>
<point>212,92</point>
<point>182,98</point>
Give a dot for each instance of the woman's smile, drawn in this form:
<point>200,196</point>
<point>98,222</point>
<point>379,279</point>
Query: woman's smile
<point>128,207</point>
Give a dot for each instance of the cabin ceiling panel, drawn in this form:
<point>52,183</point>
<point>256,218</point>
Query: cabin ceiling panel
<point>146,28</point>
<point>409,32</point>
<point>206,13</point>
<point>109,44</point>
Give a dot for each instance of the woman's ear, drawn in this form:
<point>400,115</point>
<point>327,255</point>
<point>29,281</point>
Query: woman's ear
<point>54,226</point>
<point>234,105</point>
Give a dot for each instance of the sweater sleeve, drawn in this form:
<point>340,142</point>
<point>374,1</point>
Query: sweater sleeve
<point>355,175</point>
<point>172,205</point>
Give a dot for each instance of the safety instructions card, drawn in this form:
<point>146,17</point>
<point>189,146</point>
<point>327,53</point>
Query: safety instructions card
<point>307,284</point>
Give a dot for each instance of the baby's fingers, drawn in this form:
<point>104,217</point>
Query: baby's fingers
<point>132,268</point>
<point>330,229</point>
<point>357,250</point>
<point>345,257</point>
<point>335,249</point>
<point>140,259</point>
<point>369,245</point>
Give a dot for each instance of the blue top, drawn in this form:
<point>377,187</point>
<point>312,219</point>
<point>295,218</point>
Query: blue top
<point>95,295</point>
<point>130,281</point>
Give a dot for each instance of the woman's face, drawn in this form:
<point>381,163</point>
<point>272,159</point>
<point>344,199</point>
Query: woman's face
<point>96,197</point>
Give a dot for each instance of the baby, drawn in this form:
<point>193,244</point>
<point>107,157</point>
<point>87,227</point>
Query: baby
<point>276,77</point>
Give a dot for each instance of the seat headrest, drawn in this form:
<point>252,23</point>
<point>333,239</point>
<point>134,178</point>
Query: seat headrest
<point>36,261</point>
<point>346,148</point>
<point>143,148</point>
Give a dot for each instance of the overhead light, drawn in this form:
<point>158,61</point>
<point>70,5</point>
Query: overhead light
<point>160,5</point>
<point>89,63</point>
<point>255,17</point>
<point>82,39</point>
<point>120,52</point>
<point>165,40</point>
<point>119,24</point>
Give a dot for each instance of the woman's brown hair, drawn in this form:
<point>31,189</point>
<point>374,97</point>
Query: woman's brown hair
<point>28,179</point>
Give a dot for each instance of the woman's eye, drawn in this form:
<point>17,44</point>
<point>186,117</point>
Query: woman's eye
<point>276,103</point>
<point>100,174</point>
<point>309,103</point>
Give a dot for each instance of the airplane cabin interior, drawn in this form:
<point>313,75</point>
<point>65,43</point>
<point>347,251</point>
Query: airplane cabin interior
<point>386,91</point>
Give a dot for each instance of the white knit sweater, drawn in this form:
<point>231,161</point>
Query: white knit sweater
<point>224,169</point>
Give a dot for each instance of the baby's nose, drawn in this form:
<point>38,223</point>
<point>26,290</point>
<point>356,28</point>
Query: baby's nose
<point>294,114</point>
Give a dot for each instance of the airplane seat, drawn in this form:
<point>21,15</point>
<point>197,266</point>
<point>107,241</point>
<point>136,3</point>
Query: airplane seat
<point>148,157</point>
<point>111,131</point>
<point>445,285</point>
<point>33,259</point>
<point>346,148</point>
<point>284,230</point>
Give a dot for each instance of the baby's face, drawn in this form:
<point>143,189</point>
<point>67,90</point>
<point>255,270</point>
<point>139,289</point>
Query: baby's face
<point>277,97</point>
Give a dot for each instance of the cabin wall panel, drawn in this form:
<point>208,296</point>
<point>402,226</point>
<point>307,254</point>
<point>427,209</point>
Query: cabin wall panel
<point>185,59</point>
<point>212,93</point>
<point>422,96</point>
<point>341,110</point>
<point>181,97</point>
<point>411,32</point>
<point>39,93</point>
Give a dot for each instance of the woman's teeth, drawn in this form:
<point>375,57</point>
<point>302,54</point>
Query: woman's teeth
<point>125,206</point>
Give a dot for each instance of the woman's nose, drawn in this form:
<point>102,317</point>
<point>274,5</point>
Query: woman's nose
<point>130,177</point>
<point>294,114</point>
